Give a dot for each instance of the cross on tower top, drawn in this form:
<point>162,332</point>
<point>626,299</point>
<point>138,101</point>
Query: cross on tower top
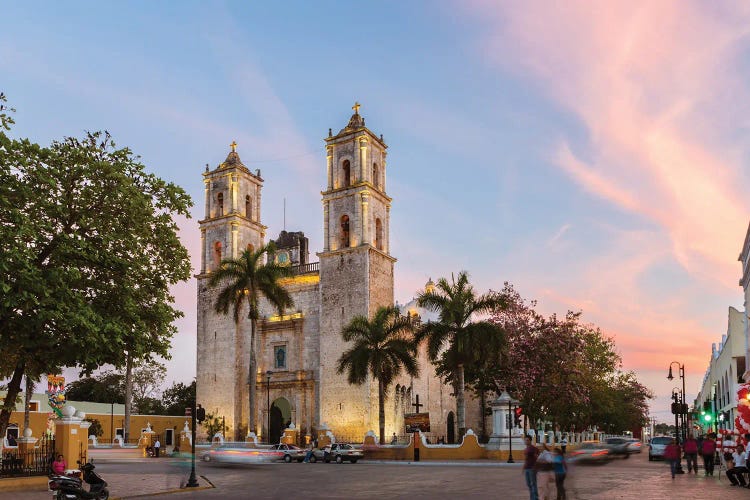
<point>356,108</point>
<point>417,405</point>
<point>234,146</point>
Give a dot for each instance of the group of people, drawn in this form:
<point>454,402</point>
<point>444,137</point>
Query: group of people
<point>549,461</point>
<point>734,455</point>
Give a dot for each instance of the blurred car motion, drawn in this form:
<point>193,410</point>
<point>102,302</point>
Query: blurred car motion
<point>240,453</point>
<point>591,452</point>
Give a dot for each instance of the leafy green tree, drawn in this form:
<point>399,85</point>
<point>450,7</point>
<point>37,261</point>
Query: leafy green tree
<point>90,251</point>
<point>106,387</point>
<point>457,328</point>
<point>178,397</point>
<point>381,348</point>
<point>214,424</point>
<point>242,282</point>
<point>95,429</point>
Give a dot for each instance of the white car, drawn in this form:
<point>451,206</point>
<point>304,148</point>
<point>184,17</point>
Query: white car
<point>657,446</point>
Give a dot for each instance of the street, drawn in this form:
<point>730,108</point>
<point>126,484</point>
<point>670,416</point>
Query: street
<point>634,478</point>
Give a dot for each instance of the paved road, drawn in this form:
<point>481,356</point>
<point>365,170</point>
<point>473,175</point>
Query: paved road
<point>635,479</point>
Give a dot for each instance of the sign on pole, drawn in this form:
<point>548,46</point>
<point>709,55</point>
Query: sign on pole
<point>417,422</point>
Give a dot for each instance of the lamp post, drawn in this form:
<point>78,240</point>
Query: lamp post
<point>268,404</point>
<point>670,377</point>
<point>112,415</point>
<point>510,432</point>
<point>677,397</point>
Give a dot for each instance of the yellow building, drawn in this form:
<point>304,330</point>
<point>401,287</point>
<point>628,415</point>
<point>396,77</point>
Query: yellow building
<point>111,418</point>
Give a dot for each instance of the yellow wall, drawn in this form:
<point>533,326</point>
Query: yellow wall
<point>159,423</point>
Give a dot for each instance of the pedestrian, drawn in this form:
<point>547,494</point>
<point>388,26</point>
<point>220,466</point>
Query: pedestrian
<point>157,445</point>
<point>736,473</point>
<point>530,454</point>
<point>309,453</point>
<point>691,454</point>
<point>59,465</point>
<point>561,469</point>
<point>672,455</point>
<point>564,443</point>
<point>394,439</point>
<point>708,450</point>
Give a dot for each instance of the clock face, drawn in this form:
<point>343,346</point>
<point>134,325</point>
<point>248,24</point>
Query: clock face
<point>282,258</point>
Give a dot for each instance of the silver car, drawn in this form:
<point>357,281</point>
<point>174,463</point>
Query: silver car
<point>338,452</point>
<point>290,451</point>
<point>657,446</point>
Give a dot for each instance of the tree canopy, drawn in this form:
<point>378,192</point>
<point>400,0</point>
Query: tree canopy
<point>90,251</point>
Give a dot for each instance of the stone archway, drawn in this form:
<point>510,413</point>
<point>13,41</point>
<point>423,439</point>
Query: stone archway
<point>451,434</point>
<point>281,417</point>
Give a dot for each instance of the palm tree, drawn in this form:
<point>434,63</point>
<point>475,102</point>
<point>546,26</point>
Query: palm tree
<point>456,329</point>
<point>243,282</point>
<point>382,348</point>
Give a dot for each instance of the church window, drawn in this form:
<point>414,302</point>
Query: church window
<point>375,173</point>
<point>219,204</point>
<point>248,207</point>
<point>279,356</point>
<point>344,231</point>
<point>217,254</point>
<point>346,172</point>
<point>378,234</point>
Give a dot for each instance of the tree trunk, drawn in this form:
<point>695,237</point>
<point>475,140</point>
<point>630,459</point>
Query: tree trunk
<point>482,404</point>
<point>381,411</point>
<point>14,388</point>
<point>128,397</point>
<point>251,380</point>
<point>27,400</point>
<point>460,401</point>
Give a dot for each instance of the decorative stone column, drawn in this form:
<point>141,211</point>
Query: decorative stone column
<point>186,438</point>
<point>26,447</point>
<point>324,436</point>
<point>365,217</point>
<point>290,435</point>
<point>502,435</point>
<point>69,436</point>
<point>147,439</point>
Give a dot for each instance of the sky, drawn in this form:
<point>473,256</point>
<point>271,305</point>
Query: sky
<point>591,153</point>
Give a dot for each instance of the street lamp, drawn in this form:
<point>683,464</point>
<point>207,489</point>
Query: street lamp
<point>670,377</point>
<point>678,398</point>
<point>268,404</point>
<point>112,415</point>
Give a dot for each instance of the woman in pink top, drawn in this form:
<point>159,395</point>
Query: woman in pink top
<point>59,465</point>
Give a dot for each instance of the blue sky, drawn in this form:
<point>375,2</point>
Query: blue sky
<point>594,157</point>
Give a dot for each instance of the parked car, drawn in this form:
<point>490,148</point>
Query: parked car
<point>338,452</point>
<point>591,452</point>
<point>291,452</point>
<point>618,446</point>
<point>657,445</point>
<point>240,453</point>
<point>634,446</point>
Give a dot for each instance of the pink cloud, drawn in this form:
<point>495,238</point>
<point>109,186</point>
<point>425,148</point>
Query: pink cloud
<point>646,82</point>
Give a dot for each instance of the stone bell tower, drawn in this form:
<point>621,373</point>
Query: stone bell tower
<point>356,268</point>
<point>231,225</point>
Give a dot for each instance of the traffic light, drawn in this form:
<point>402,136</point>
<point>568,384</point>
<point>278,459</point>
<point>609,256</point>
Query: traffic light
<point>517,416</point>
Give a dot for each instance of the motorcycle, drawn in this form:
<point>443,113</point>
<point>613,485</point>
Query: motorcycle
<point>70,487</point>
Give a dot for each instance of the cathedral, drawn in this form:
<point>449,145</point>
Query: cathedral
<point>297,353</point>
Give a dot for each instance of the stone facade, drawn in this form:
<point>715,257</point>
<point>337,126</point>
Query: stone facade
<point>296,379</point>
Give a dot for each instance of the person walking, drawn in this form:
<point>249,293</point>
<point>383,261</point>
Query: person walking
<point>561,469</point>
<point>691,454</point>
<point>672,455</point>
<point>530,454</point>
<point>737,473</point>
<point>157,445</point>
<point>708,450</point>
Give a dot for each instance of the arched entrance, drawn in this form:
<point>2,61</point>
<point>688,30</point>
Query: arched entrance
<point>451,438</point>
<point>281,417</point>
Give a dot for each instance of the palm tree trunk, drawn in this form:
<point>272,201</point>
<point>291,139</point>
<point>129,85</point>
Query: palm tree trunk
<point>27,400</point>
<point>482,404</point>
<point>460,401</point>
<point>14,387</point>
<point>128,397</point>
<point>381,411</point>
<point>251,380</point>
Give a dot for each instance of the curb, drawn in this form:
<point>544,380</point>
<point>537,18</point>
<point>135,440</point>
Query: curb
<point>169,492</point>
